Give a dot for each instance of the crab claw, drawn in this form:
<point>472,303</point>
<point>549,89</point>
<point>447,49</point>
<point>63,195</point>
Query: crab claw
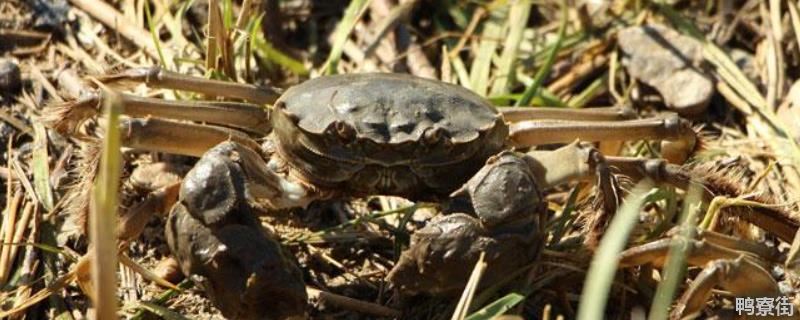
<point>503,191</point>
<point>443,253</point>
<point>241,267</point>
<point>217,239</point>
<point>505,197</point>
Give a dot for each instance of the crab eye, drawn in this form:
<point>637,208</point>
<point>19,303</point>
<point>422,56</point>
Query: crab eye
<point>345,132</point>
<point>432,136</point>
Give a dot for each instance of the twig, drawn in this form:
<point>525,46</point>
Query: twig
<point>41,79</point>
<point>418,63</point>
<point>109,16</point>
<point>23,36</point>
<point>387,24</point>
<point>583,69</point>
<point>85,58</point>
<point>774,59</point>
<point>33,40</point>
<point>9,220</point>
<point>21,226</point>
<point>104,49</point>
<point>30,263</point>
<point>327,258</point>
<point>16,123</point>
<point>476,18</point>
<point>351,304</point>
<point>52,288</point>
<point>469,291</point>
<point>244,16</point>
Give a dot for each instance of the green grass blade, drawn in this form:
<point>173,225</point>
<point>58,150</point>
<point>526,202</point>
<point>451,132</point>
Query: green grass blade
<point>594,89</point>
<point>154,34</point>
<point>503,304</point>
<point>480,71</point>
<point>544,98</point>
<point>461,72</point>
<point>533,89</point>
<point>675,267</point>
<point>517,20</point>
<point>103,218</point>
<point>227,14</point>
<point>268,52</point>
<point>162,298</point>
<point>457,13</point>
<point>571,40</point>
<point>41,167</point>
<point>566,218</point>
<point>606,259</point>
<point>69,256</point>
<point>161,311</point>
<point>498,307</point>
<point>342,32</point>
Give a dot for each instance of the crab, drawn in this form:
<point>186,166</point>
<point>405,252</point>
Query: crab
<point>356,135</point>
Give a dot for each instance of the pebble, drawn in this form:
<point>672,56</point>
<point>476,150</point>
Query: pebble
<point>50,15</point>
<point>168,269</point>
<point>667,61</point>
<point>10,77</point>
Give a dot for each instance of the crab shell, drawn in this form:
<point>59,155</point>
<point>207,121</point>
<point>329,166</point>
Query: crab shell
<point>389,134</point>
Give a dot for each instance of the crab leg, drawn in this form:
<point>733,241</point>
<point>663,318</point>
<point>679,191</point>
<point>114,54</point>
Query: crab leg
<point>245,116</point>
<point>736,271</point>
<point>516,114</point>
<point>700,252</point>
<point>159,78</point>
<point>538,132</point>
<point>153,134</point>
<point>739,276</point>
<point>578,162</point>
<point>134,219</point>
<point>249,117</point>
<point>196,140</point>
<point>268,189</point>
<point>774,219</point>
<point>575,161</point>
<point>161,136</point>
<point>726,241</point>
<point>501,195</point>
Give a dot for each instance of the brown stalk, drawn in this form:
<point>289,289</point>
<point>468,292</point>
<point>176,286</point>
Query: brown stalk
<point>9,219</point>
<point>351,304</point>
<point>577,73</point>
<point>21,226</point>
<point>40,78</point>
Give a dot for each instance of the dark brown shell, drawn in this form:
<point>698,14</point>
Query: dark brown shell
<point>386,133</point>
<point>389,107</point>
